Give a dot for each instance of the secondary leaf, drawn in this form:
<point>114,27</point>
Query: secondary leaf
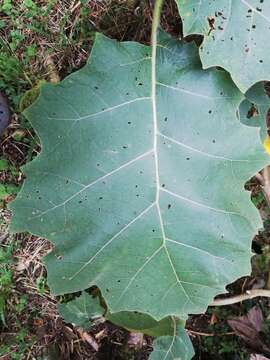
<point>175,347</point>
<point>144,323</point>
<point>234,36</point>
<point>140,181</point>
<point>80,310</point>
<point>254,108</point>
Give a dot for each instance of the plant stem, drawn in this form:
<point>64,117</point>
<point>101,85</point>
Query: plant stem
<point>250,294</point>
<point>155,25</point>
<point>264,180</point>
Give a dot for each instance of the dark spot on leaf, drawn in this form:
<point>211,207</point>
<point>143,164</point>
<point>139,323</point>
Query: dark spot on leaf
<point>169,206</point>
<point>211,22</point>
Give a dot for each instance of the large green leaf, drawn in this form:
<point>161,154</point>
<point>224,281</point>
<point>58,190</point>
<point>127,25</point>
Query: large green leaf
<point>234,36</point>
<point>139,184</point>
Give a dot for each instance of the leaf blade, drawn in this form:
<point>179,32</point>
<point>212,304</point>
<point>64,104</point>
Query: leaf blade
<point>136,230</point>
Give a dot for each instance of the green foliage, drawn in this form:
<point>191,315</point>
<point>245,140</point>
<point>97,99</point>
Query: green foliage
<point>41,285</point>
<point>6,283</point>
<point>30,96</point>
<point>28,26</point>
<point>7,188</point>
<point>16,338</point>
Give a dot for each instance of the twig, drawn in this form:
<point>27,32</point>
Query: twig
<point>88,338</point>
<point>266,187</point>
<point>259,177</point>
<point>264,180</point>
<point>198,333</point>
<point>250,294</point>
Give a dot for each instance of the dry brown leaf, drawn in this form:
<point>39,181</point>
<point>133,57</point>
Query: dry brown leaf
<point>88,338</point>
<point>135,340</point>
<point>248,327</point>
